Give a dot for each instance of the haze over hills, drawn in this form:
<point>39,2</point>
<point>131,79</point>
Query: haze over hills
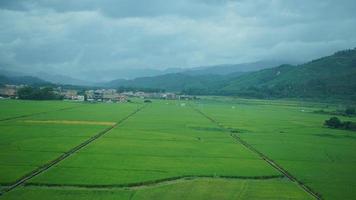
<point>233,68</point>
<point>23,80</point>
<point>44,77</point>
<point>100,77</point>
<point>105,75</point>
<point>330,76</point>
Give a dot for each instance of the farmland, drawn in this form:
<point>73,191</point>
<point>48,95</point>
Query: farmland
<point>173,150</point>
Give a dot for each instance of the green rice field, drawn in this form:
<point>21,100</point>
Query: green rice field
<point>174,150</point>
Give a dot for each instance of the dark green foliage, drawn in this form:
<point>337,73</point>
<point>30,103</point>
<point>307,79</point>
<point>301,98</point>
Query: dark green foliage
<point>329,77</point>
<point>349,111</point>
<point>32,93</point>
<point>147,101</point>
<point>335,122</point>
<point>350,125</point>
<point>177,82</point>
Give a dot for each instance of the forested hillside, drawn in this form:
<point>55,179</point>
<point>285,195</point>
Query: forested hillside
<point>332,76</point>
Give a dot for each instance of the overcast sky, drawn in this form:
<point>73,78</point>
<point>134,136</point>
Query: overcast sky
<point>71,36</point>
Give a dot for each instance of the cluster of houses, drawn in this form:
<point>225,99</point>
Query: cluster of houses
<point>105,95</point>
<point>159,95</point>
<point>98,95</point>
<point>113,96</point>
<point>9,91</point>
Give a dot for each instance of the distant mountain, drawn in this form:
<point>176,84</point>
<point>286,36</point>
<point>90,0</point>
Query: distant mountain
<point>332,76</point>
<point>25,80</point>
<point>175,82</point>
<point>178,79</point>
<point>232,68</point>
<point>46,77</point>
<point>63,80</point>
<point>128,74</point>
<point>100,76</point>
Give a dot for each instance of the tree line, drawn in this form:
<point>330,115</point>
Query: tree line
<point>34,93</point>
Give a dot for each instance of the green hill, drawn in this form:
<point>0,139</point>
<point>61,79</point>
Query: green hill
<point>328,77</point>
<point>177,82</point>
<point>331,76</point>
<point>25,80</point>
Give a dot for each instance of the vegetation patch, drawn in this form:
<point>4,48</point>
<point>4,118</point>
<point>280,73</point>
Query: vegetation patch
<point>349,111</point>
<point>34,93</point>
<point>205,188</point>
<point>336,123</point>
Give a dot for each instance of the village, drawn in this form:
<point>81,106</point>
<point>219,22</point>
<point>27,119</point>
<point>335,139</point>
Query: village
<point>97,95</point>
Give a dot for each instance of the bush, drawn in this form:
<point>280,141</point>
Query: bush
<point>333,122</point>
<point>350,125</point>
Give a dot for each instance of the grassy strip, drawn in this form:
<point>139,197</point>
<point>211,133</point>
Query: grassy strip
<point>39,113</point>
<point>153,183</point>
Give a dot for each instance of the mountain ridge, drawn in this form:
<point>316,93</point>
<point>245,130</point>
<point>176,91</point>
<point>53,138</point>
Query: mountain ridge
<point>333,76</point>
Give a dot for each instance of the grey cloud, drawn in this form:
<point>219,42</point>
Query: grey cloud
<point>123,8</point>
<point>83,35</point>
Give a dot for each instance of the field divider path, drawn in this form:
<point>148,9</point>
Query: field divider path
<point>38,113</point>
<point>65,155</point>
<point>262,156</point>
<point>152,183</point>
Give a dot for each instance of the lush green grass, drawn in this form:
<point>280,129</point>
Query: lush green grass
<point>194,189</point>
<point>29,193</point>
<point>92,112</point>
<point>295,138</point>
<point>160,142</point>
<point>24,146</point>
<point>166,139</point>
<point>13,108</point>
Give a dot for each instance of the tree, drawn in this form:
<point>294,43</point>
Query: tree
<point>32,93</point>
<point>333,122</point>
<point>349,125</point>
<point>25,93</point>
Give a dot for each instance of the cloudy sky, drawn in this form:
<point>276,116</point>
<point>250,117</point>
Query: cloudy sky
<point>69,37</point>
